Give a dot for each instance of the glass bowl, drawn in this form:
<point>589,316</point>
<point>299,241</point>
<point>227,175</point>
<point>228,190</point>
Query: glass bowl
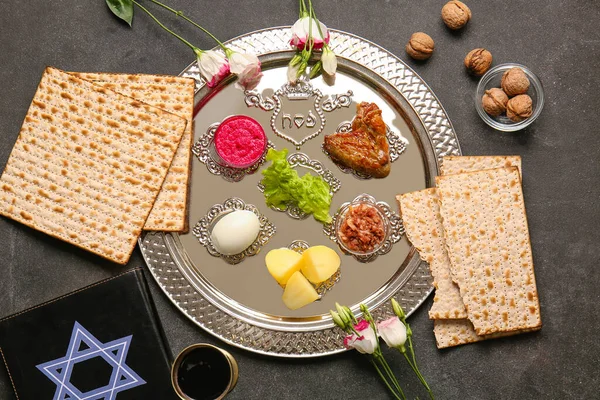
<point>341,218</point>
<point>492,79</point>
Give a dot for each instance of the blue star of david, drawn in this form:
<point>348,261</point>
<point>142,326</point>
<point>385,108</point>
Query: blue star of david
<point>114,353</point>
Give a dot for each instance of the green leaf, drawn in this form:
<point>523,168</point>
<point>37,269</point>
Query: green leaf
<point>122,9</point>
<point>282,185</point>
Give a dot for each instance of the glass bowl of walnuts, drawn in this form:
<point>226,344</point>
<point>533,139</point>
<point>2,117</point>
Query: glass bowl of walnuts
<point>509,97</point>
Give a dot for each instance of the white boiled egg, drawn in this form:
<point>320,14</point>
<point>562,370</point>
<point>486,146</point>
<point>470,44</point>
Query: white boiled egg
<point>235,232</point>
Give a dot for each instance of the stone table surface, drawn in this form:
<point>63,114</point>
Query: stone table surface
<point>558,39</point>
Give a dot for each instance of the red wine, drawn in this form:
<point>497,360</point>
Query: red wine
<point>204,374</point>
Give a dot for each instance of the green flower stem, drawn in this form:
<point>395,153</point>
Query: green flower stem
<point>419,375</point>
<point>386,367</point>
<point>303,11</point>
<point>314,16</point>
<point>412,350</point>
<point>182,15</point>
<point>163,26</point>
<point>386,382</point>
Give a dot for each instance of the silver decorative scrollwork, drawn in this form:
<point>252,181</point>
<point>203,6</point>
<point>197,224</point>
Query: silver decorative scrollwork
<point>302,160</point>
<point>396,142</point>
<point>254,99</point>
<point>203,149</point>
<point>301,90</point>
<point>338,101</point>
<point>392,223</point>
<point>203,228</point>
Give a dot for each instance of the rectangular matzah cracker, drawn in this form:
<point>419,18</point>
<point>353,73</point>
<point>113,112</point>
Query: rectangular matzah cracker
<point>421,218</point>
<point>460,164</point>
<point>176,95</point>
<point>88,164</point>
<point>455,332</point>
<point>488,244</point>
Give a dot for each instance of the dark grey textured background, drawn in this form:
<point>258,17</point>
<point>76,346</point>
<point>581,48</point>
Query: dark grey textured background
<point>559,40</point>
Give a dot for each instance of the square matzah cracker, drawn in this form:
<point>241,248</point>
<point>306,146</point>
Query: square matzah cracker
<point>176,95</point>
<point>488,244</point>
<point>422,222</point>
<point>88,164</point>
<point>459,164</point>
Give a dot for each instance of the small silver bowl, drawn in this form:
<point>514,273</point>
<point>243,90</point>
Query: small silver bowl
<point>492,79</point>
<point>342,217</point>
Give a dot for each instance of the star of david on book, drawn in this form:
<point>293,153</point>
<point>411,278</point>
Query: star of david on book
<point>84,346</point>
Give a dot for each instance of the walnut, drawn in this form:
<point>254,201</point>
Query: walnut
<point>478,61</point>
<point>494,101</point>
<point>420,46</point>
<point>514,82</point>
<point>519,108</point>
<point>455,14</point>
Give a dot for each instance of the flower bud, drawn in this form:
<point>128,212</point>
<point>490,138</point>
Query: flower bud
<point>366,313</point>
<point>329,61</point>
<point>350,314</point>
<point>302,68</point>
<point>343,315</point>
<point>337,320</point>
<point>397,309</point>
<point>316,70</point>
<point>296,60</point>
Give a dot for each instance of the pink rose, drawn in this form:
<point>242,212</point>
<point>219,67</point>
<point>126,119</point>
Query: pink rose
<point>213,67</point>
<point>300,31</point>
<point>392,331</point>
<point>366,342</point>
<point>247,68</point>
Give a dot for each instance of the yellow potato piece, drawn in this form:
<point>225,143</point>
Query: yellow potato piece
<point>298,292</point>
<point>282,263</point>
<point>318,263</point>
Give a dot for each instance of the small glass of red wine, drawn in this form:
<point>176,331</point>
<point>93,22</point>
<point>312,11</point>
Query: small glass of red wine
<point>204,372</point>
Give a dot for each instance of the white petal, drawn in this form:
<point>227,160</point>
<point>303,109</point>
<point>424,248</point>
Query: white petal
<point>298,28</point>
<point>292,73</point>
<point>210,62</point>
<point>329,61</point>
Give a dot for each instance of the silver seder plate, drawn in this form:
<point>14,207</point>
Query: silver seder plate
<point>239,302</point>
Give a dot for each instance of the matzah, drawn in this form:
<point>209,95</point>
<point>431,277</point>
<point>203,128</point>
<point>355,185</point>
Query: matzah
<point>176,95</point>
<point>488,244</point>
<point>454,332</point>
<point>88,164</point>
<point>460,164</point>
<point>423,225</point>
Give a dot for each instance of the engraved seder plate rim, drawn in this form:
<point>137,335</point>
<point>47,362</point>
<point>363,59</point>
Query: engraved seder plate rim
<point>312,338</point>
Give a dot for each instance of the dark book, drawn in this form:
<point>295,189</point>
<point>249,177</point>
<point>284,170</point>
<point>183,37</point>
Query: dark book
<point>102,342</point>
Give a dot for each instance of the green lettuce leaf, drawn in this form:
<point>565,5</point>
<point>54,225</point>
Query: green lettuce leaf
<point>283,186</point>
